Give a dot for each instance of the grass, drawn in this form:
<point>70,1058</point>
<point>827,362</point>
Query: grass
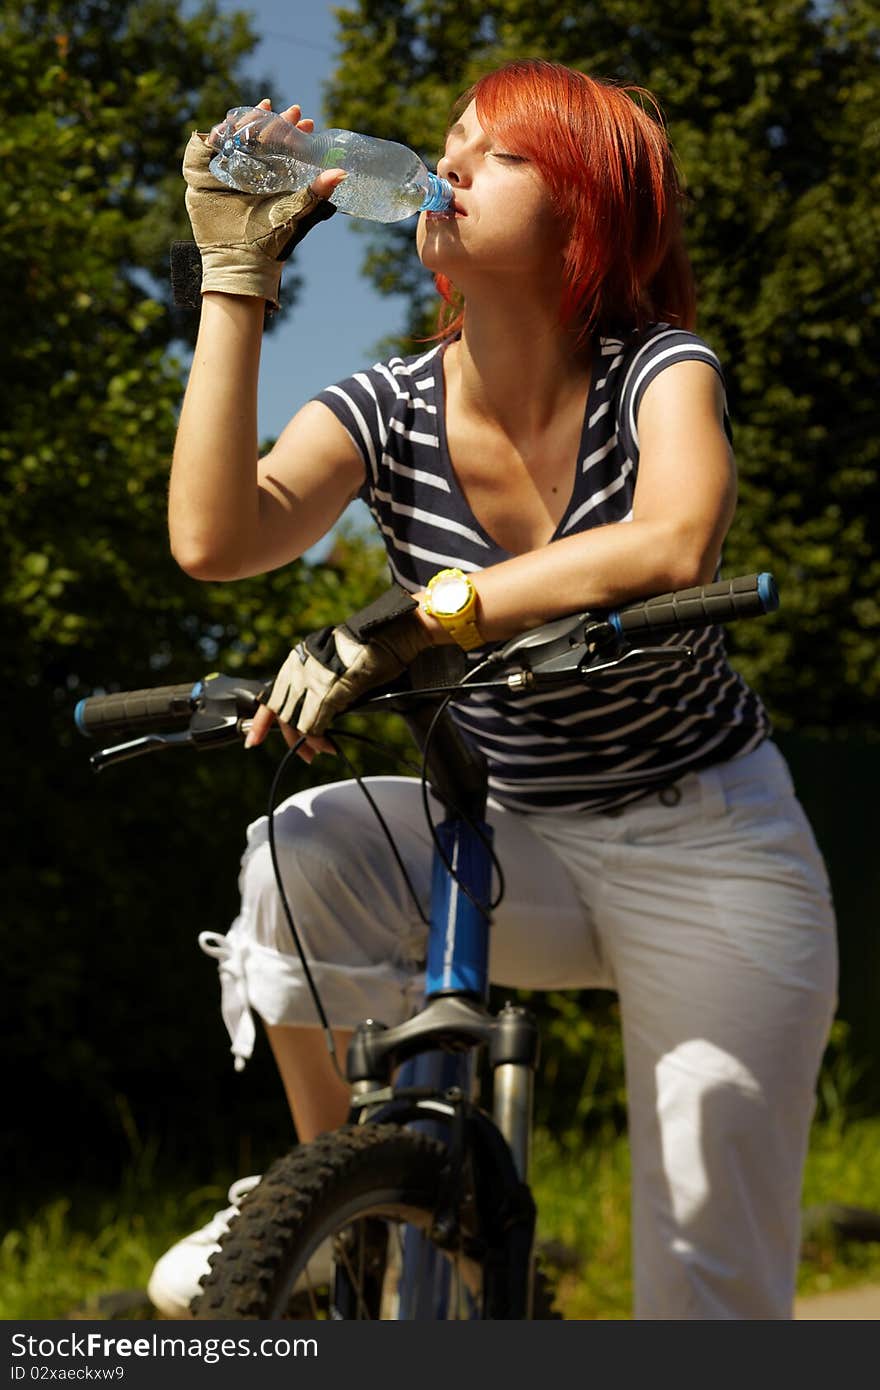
<point>75,1253</point>
<point>68,1257</point>
<point>583,1215</point>
<point>582,1197</point>
<point>843,1166</point>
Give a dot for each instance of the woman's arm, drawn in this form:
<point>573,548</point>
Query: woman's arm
<point>683,505</point>
<point>231,514</point>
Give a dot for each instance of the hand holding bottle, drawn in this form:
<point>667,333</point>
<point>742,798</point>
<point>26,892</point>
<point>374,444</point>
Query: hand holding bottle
<point>259,152</point>
<point>244,237</point>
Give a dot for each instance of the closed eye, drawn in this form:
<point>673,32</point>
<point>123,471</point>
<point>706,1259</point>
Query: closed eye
<point>513,158</point>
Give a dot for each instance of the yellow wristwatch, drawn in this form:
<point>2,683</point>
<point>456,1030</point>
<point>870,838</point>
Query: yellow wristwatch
<point>452,599</point>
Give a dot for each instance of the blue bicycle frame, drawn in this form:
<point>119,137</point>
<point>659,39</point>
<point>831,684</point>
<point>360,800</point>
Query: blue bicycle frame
<point>457,966</point>
<point>456,1019</point>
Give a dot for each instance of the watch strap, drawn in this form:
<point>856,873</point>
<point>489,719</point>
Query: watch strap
<point>464,631</point>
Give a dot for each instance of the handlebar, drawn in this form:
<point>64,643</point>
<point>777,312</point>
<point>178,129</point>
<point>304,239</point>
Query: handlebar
<point>133,711</point>
<point>166,707</point>
<point>217,710</point>
<point>748,596</point>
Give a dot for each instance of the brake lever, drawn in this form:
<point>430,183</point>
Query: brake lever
<point>206,731</point>
<point>135,748</point>
<point>649,656</point>
<point>587,658</point>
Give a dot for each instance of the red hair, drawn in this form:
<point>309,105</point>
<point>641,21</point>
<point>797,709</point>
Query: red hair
<point>611,174</point>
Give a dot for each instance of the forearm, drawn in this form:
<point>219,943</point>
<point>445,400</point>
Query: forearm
<point>213,496</point>
<point>596,569</point>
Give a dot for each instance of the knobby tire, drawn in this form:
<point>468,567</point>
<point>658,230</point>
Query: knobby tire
<point>351,1190</point>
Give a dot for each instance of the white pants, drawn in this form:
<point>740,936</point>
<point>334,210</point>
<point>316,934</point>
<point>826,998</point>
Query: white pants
<point>712,920</point>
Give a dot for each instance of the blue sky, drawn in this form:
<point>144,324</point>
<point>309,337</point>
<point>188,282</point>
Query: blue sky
<point>338,318</point>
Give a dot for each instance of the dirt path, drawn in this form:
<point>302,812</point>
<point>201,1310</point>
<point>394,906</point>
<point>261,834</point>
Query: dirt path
<point>862,1304</point>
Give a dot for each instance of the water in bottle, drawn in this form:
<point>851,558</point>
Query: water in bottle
<point>258,152</point>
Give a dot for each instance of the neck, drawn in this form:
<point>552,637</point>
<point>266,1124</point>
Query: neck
<point>515,365</point>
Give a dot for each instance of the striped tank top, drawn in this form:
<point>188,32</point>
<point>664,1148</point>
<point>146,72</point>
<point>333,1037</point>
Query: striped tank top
<point>577,747</point>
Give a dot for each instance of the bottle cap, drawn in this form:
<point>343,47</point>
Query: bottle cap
<point>438,195</point>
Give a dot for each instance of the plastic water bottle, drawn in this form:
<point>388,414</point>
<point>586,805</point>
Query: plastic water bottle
<point>257,152</point>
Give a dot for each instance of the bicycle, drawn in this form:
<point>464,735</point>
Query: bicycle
<point>421,1201</point>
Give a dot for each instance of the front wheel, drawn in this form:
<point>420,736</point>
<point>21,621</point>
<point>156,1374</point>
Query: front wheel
<point>322,1236</point>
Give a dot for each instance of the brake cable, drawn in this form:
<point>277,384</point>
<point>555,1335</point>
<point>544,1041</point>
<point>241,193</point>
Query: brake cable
<point>449,695</point>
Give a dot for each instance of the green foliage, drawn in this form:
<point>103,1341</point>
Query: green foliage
<point>582,1192</point>
<point>843,1167</point>
<point>80,1253</point>
<point>838,1087</point>
<point>103,97</point>
<point>773,113</point>
<point>582,1087</point>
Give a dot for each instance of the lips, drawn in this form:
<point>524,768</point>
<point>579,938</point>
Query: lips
<point>450,214</point>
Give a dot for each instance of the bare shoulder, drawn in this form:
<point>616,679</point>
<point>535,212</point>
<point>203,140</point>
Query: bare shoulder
<point>685,391</point>
<point>304,483</point>
<point>686,471</point>
<point>315,441</point>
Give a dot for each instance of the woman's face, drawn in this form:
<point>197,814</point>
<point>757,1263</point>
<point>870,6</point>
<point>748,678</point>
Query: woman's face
<point>502,222</point>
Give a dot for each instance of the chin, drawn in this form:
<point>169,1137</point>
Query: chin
<point>438,254</point>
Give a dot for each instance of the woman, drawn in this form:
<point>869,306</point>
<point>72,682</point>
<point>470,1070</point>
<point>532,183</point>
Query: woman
<point>564,446</point>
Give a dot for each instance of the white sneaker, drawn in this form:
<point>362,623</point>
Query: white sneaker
<point>176,1277</point>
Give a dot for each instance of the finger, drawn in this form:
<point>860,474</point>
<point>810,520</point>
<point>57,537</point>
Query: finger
<point>290,735</point>
<point>277,128</point>
<point>260,726</point>
<point>292,113</point>
<point>306,125</point>
<point>293,736</point>
<point>306,752</point>
<point>320,745</point>
<point>316,744</point>
<point>326,181</point>
<point>248,113</point>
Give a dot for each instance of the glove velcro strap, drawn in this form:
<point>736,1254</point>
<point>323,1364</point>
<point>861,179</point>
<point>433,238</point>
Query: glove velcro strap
<point>322,646</point>
<point>394,603</point>
<point>320,213</point>
<point>186,277</point>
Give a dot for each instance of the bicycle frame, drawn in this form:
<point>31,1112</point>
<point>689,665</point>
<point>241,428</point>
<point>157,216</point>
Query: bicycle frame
<point>436,1049</point>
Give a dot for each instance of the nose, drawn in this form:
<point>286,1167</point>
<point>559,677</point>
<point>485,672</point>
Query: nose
<point>448,169</point>
<point>454,164</point>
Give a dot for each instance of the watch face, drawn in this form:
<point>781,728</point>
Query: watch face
<point>450,596</point>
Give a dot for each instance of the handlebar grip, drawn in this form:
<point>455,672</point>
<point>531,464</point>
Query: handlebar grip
<point>747,596</point>
<point>134,712</point>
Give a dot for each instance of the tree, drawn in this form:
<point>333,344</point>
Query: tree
<point>772,110</point>
<point>108,878</point>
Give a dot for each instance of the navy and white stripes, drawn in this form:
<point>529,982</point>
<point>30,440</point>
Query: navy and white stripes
<point>583,748</point>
